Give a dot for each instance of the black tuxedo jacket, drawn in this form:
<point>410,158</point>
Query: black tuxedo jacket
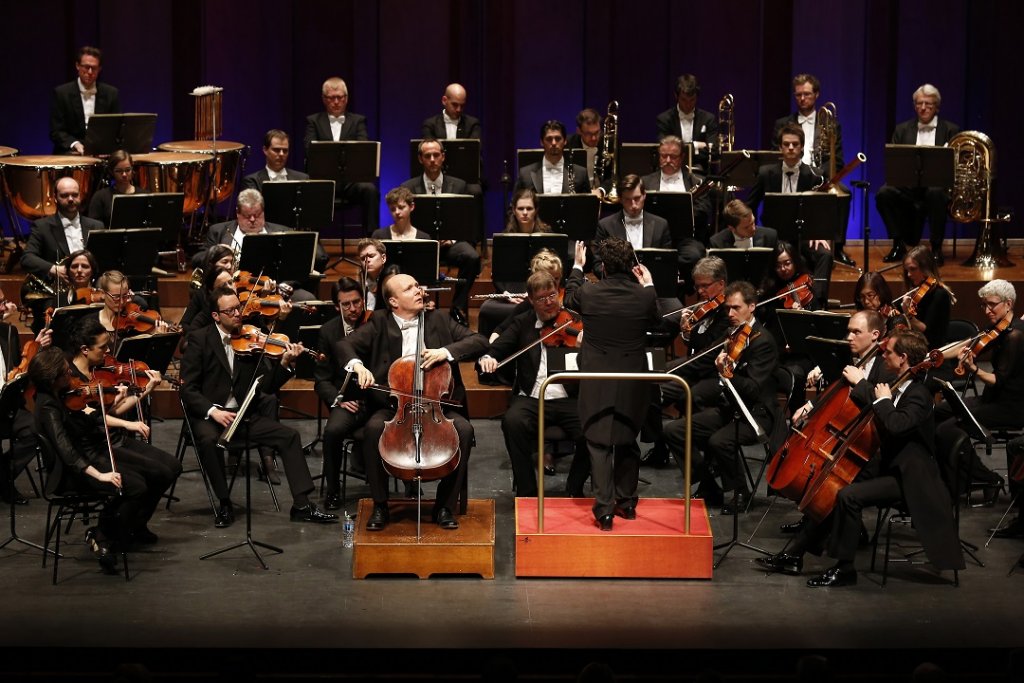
<point>826,158</point>
<point>207,379</point>
<point>10,347</point>
<point>378,343</point>
<point>763,237</point>
<point>705,129</point>
<point>433,127</point>
<point>254,181</point>
<point>223,233</point>
<point>701,207</point>
<point>906,132</point>
<point>532,176</point>
<point>769,179</point>
<point>522,331</point>
<point>318,127</point>
<point>67,118</point>
<point>449,185</point>
<point>329,373</point>
<point>48,244</point>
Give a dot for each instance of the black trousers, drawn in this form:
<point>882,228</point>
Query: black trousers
<point>718,435</point>
<point>341,424</point>
<point>990,415</point>
<point>22,433</point>
<point>615,473</point>
<point>519,425</point>
<point>367,197</point>
<point>851,501</point>
<point>904,210</point>
<point>377,477</point>
<point>464,256</point>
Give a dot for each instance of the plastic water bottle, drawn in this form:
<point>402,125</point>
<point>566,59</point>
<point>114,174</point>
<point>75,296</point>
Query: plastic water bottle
<point>348,531</point>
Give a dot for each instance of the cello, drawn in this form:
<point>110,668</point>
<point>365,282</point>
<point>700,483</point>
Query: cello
<point>419,442</point>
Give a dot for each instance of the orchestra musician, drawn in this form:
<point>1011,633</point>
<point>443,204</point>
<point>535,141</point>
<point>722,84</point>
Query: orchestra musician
<point>998,407</point>
<point>550,175</point>
<point>116,296</point>
<point>519,422</point>
<point>714,430</point>
<point>617,312</point>
<point>871,292</point>
<point>345,416</point>
<point>217,270</point>
<point>692,125</point>
<point>930,316</point>
<point>373,258</point>
<point>119,169</point>
<point>588,138</point>
<point>74,103</point>
<point>369,353</point>
<point>806,90</point>
<point>904,209</point>
<point>336,123</point>
<point>452,123</point>
<point>215,380</point>
<point>741,230</point>
<point>672,177</point>
<point>904,469</point>
<point>544,260</point>
<point>276,147</point>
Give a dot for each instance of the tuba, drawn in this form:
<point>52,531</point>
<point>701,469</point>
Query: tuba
<point>607,158</point>
<point>726,123</point>
<point>974,159</point>
<point>825,139</point>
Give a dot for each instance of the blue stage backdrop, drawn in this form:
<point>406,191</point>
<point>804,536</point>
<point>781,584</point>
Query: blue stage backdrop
<point>524,62</point>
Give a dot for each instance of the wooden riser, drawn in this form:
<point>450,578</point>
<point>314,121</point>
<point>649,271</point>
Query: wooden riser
<point>654,546</point>
<point>396,550</point>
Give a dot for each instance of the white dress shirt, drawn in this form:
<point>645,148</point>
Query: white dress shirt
<point>451,126</point>
<point>433,186</point>
<point>926,133</point>
<point>634,230</point>
<point>276,176</point>
<point>686,125</point>
<point>336,123</point>
<point>790,178</point>
<point>807,123</point>
<point>673,183</point>
<point>553,174</point>
<point>554,390</point>
<point>73,232</point>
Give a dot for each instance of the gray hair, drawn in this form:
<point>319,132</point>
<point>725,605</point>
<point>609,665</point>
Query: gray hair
<point>1000,288</point>
<point>712,267</point>
<point>928,90</point>
<point>250,199</point>
<point>334,83</point>
<point>672,140</point>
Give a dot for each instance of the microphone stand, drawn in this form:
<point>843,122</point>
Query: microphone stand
<point>863,186</point>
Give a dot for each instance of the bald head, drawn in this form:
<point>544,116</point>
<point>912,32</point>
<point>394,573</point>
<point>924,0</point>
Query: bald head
<point>454,99</point>
<point>68,197</point>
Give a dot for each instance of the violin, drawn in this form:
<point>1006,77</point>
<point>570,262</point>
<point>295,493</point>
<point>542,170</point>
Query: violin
<point>701,311</point>
<point>81,393</point>
<point>132,317</point>
<point>562,330</point>
<point>250,339</point>
<point>132,373</point>
<point>914,298</point>
<point>735,345</point>
<point>268,305</point>
<point>29,351</point>
<point>978,344</point>
<point>797,294</point>
<point>87,295</point>
<point>254,283</point>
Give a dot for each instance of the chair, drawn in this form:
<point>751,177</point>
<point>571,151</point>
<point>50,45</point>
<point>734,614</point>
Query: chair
<point>65,506</point>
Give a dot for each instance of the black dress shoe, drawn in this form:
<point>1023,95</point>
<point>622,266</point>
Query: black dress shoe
<point>834,578</point>
<point>712,496</point>
<point>792,527</point>
<point>459,316</point>
<point>783,563</point>
<point>379,518</point>
<point>332,501</point>
<point>605,522</point>
<point>990,492</point>
<point>626,512</point>
<point>445,519</point>
<point>736,503</point>
<point>896,254</point>
<point>225,516</point>
<point>656,456</point>
<point>411,489</point>
<point>311,513</point>
<point>840,256</point>
<point>101,550</point>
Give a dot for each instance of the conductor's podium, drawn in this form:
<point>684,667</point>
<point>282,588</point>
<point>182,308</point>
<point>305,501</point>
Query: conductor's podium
<point>655,545</point>
<point>396,550</point>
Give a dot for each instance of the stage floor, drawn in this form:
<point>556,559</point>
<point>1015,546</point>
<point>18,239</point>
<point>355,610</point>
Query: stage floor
<point>307,599</point>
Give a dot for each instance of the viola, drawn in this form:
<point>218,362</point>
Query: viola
<point>735,345</point>
<point>250,339</point>
<point>702,311</point>
<point>978,344</point>
<point>420,442</point>
<point>132,317</point>
<point>798,293</point>
<point>914,298</point>
<point>562,330</point>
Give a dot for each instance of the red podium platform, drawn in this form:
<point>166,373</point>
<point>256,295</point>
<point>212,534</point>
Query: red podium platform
<point>653,546</point>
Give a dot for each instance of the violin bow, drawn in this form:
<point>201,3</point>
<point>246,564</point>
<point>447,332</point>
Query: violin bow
<point>539,340</point>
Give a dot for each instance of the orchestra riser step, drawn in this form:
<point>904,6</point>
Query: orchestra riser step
<point>653,546</point>
<point>397,550</point>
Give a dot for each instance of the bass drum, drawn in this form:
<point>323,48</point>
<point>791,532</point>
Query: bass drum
<point>171,172</point>
<point>30,182</point>
<point>230,159</point>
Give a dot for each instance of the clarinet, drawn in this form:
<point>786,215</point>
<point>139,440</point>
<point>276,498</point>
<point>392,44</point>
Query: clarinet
<point>570,170</point>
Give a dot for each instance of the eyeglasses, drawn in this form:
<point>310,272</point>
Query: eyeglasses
<point>335,97</point>
<point>549,299</point>
<point>123,171</point>
<point>990,305</point>
<point>701,286</point>
<point>117,297</point>
<point>230,311</point>
<point>89,67</point>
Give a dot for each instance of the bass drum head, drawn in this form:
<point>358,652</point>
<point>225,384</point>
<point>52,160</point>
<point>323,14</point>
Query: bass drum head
<point>230,159</point>
<point>30,182</point>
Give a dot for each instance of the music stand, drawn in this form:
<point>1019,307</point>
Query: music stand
<point>754,263</point>
<point>107,133</point>
<point>300,204</point>
<point>801,216</point>
<point>453,217</point>
<point>154,210</point>
<point>65,317</point>
<point>133,251</point>
<point>677,209</point>
<point>744,174</point>
<point>282,256</point>
<point>664,267</point>
<point>10,402</point>
<point>525,157</point>
<point>640,158</point>
<point>511,253</point>
<point>461,159</point>
<point>344,162</point>
<point>830,355</point>
<point>919,166</point>
<point>797,326</point>
<point>418,258</point>
<point>574,215</point>
<point>155,350</point>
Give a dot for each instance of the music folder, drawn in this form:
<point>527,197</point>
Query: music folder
<point>798,325</point>
<point>511,253</point>
<point>300,204</point>
<point>919,166</point>
<point>677,209</point>
<point>830,355</point>
<point>744,174</point>
<point>282,256</point>
<point>447,216</point>
<point>419,258</point>
<point>107,133</point>
<point>346,161</point>
<point>664,267</point>
<point>133,252</point>
<point>461,159</point>
<point>801,216</point>
<point>574,215</point>
<point>640,158</point>
<point>162,210</point>
<point>155,350</point>
<point>751,264</point>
